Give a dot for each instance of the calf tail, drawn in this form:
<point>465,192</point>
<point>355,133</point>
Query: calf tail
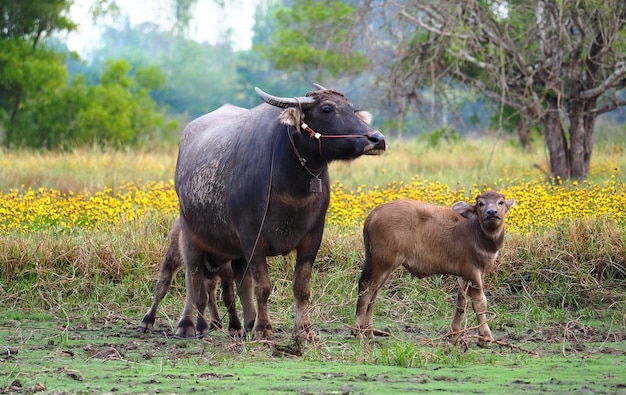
<point>366,268</point>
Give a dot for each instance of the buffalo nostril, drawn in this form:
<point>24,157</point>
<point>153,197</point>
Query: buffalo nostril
<point>377,138</point>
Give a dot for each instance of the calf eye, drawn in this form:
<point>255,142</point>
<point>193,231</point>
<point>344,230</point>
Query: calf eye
<point>481,204</point>
<point>327,109</point>
<point>501,202</point>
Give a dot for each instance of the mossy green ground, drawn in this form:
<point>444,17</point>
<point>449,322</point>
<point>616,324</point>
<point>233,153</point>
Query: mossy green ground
<point>116,359</point>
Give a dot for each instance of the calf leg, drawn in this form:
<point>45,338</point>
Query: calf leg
<point>206,295</point>
<point>479,303</point>
<point>461,306</point>
<point>223,274</point>
<point>170,266</point>
<point>228,297</point>
<point>262,290</point>
<point>211,287</point>
<point>371,281</point>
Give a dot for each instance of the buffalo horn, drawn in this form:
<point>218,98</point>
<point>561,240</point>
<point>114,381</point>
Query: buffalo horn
<point>285,102</point>
<point>319,87</point>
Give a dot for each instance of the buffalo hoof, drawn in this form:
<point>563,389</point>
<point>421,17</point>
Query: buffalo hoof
<point>202,326</point>
<point>146,325</point>
<point>185,330</point>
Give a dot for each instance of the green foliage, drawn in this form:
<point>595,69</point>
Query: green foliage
<point>442,135</point>
<point>116,112</point>
<point>30,19</point>
<point>26,71</point>
<point>312,36</point>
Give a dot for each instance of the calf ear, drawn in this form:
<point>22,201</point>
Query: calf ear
<point>290,116</point>
<point>465,209</point>
<point>510,203</point>
<point>365,116</point>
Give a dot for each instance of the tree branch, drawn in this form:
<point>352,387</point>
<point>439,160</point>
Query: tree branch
<point>615,76</point>
<point>613,105</point>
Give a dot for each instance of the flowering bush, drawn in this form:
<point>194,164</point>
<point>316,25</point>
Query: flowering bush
<point>540,204</point>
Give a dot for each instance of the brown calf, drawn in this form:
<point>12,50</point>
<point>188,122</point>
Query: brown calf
<point>172,263</point>
<point>462,240</point>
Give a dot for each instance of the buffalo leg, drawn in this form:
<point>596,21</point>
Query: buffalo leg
<point>194,282</point>
<point>306,252</point>
<point>170,266</point>
<point>245,290</point>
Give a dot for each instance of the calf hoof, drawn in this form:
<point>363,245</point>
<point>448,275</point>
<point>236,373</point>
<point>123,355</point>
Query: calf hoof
<point>185,330</point>
<point>485,340</point>
<point>367,333</point>
<point>236,332</point>
<point>306,334</point>
<point>264,333</point>
<point>215,324</point>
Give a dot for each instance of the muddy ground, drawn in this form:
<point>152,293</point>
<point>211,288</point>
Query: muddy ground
<point>566,358</point>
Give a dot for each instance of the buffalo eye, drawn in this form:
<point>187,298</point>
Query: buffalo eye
<point>501,202</point>
<point>327,109</point>
<point>481,204</point>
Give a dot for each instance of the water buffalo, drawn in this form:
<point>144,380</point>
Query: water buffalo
<point>257,185</point>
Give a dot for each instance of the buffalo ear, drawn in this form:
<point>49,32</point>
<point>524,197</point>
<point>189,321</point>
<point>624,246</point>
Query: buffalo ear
<point>365,116</point>
<point>465,209</point>
<point>290,116</point>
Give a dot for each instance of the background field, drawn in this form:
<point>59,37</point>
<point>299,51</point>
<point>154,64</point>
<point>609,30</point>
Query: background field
<point>70,299</point>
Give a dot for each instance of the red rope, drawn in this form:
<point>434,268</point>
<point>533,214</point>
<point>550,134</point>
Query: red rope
<point>314,135</point>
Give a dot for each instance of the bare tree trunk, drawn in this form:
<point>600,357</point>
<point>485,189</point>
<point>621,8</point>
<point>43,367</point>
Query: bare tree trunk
<point>582,123</point>
<point>554,137</point>
<point>523,132</point>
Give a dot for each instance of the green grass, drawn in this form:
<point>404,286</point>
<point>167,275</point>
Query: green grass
<point>115,359</point>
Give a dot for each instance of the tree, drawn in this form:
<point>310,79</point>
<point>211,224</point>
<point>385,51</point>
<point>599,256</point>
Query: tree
<point>556,63</point>
<point>27,67</point>
<point>200,76</point>
<point>41,108</point>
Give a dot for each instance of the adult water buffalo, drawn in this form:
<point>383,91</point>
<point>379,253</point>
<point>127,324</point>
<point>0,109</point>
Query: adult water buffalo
<point>257,185</point>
